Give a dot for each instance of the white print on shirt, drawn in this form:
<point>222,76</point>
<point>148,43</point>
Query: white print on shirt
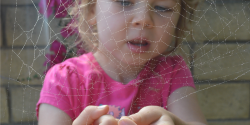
<point>116,111</point>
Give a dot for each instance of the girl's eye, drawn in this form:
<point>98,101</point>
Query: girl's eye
<point>125,3</point>
<point>162,9</point>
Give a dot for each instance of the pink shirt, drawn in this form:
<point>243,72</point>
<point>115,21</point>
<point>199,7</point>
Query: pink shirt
<point>78,82</point>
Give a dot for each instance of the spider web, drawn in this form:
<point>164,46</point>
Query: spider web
<point>215,50</point>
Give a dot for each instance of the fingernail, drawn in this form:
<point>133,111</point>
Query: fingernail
<point>102,106</point>
<point>130,118</point>
<point>123,122</point>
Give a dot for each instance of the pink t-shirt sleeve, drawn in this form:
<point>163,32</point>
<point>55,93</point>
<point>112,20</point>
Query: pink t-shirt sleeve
<point>58,89</point>
<point>181,75</point>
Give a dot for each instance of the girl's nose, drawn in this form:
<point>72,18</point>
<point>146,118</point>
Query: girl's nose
<point>143,18</point>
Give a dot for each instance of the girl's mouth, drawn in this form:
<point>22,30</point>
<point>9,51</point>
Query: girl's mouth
<point>139,42</point>
<point>138,45</point>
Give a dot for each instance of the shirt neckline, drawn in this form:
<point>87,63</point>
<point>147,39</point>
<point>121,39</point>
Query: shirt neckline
<point>141,76</point>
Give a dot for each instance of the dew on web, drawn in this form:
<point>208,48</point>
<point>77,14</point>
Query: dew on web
<point>36,35</point>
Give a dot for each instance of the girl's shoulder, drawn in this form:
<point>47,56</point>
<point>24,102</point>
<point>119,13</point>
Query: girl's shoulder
<point>77,65</point>
<point>73,70</point>
<point>81,62</point>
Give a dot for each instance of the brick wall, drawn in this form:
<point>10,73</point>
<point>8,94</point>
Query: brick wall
<point>217,53</point>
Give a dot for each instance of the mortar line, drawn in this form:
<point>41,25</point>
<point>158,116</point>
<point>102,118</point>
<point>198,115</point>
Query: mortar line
<point>249,104</point>
<point>228,120</point>
<point>25,47</point>
<point>21,123</point>
<point>21,5</point>
<point>18,86</point>
<point>218,42</point>
<point>227,42</point>
<point>3,20</point>
<point>10,85</point>
<point>9,102</point>
<point>192,57</point>
<point>220,2</point>
<point>206,81</point>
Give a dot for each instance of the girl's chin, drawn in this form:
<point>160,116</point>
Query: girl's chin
<point>134,61</point>
<point>124,56</point>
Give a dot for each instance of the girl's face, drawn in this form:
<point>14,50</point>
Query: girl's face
<point>134,31</point>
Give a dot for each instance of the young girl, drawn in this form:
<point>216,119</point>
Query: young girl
<point>126,73</point>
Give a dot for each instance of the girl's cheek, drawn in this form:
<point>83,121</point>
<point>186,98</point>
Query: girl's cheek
<point>117,24</point>
<point>103,6</point>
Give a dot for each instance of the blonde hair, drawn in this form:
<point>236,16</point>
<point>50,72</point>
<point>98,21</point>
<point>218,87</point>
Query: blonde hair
<point>88,34</point>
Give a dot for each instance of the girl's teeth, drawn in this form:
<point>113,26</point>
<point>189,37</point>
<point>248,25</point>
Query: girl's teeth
<point>138,44</point>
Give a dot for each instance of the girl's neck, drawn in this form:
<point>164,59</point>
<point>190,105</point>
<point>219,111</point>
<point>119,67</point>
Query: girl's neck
<point>116,70</point>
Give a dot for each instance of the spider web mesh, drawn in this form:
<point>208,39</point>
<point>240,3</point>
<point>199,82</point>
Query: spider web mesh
<point>216,50</point>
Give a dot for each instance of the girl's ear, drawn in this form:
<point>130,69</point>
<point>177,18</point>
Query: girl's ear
<point>92,14</point>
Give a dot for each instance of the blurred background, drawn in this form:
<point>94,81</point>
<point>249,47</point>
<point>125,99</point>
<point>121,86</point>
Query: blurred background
<point>217,51</point>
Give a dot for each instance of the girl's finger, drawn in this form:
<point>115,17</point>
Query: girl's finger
<point>125,120</point>
<point>90,114</point>
<point>163,121</point>
<point>148,115</point>
<point>106,120</point>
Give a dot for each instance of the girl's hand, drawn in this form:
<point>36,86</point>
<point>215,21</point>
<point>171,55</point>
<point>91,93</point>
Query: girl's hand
<point>150,115</point>
<point>185,111</point>
<point>153,115</point>
<point>95,115</point>
<point>106,120</point>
